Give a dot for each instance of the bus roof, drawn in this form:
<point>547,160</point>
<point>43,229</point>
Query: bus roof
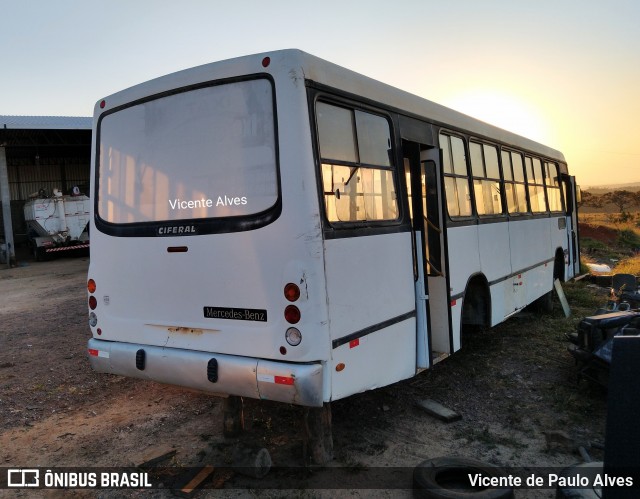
<point>299,64</point>
<point>332,75</point>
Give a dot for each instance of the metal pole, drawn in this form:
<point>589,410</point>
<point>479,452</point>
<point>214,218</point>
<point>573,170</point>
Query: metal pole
<point>5,195</point>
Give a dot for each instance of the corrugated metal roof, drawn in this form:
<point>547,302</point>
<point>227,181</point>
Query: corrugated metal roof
<point>45,122</point>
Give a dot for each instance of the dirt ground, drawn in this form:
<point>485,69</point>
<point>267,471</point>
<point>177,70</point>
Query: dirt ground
<point>514,386</point>
<point>601,233</point>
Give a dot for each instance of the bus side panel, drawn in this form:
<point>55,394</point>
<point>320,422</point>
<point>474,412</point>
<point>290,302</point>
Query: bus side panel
<point>464,256</point>
<point>559,239</point>
<point>456,324</point>
<point>375,360</point>
<point>530,242</point>
<point>495,259</point>
<point>369,282</point>
<point>533,246</point>
<point>537,281</point>
<point>464,261</point>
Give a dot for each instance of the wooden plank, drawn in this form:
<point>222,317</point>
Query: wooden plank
<point>150,457</point>
<point>188,489</point>
<point>438,410</point>
<point>562,297</point>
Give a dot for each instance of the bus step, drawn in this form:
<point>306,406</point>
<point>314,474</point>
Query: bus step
<point>437,357</point>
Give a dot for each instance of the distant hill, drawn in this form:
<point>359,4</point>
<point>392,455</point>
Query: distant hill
<point>603,189</point>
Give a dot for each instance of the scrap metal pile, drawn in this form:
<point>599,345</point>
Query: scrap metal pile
<point>57,223</point>
<point>592,343</point>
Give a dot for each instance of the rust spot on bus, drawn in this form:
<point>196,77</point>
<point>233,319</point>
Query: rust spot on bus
<point>185,330</point>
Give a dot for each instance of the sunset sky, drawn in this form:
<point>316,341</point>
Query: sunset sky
<point>563,72</point>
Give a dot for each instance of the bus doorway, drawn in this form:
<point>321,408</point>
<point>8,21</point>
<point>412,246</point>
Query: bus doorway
<point>571,197</point>
<point>433,315</point>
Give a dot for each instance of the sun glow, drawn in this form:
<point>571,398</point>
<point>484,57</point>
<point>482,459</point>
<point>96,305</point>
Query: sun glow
<point>502,110</point>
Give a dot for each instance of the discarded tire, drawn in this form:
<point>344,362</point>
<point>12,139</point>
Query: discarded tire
<point>448,478</point>
<point>572,474</point>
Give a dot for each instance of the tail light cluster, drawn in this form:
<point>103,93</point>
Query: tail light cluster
<point>93,303</point>
<point>292,315</point>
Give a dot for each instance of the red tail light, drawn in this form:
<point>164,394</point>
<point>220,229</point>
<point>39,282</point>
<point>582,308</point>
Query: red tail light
<point>291,292</point>
<point>292,314</point>
<point>91,286</point>
<point>93,303</point>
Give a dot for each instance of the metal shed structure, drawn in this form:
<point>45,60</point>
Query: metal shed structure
<point>38,153</point>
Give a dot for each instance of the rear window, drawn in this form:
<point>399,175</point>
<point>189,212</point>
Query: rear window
<point>198,154</point>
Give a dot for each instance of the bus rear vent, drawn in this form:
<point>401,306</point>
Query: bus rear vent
<point>212,370</point>
<point>140,359</point>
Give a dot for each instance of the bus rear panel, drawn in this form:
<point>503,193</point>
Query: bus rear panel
<point>196,234</point>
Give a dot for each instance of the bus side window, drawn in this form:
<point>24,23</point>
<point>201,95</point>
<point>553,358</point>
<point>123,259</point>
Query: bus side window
<point>356,165</point>
<point>513,170</point>
<point>552,181</point>
<point>535,185</point>
<point>486,178</point>
<point>456,181</point>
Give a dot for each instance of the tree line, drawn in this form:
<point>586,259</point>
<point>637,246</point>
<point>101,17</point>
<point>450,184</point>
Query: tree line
<point>623,200</point>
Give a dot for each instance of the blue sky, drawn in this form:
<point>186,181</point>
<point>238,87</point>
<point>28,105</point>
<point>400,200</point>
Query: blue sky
<point>563,72</point>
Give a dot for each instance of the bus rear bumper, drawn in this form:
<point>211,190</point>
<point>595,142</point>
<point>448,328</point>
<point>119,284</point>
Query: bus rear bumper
<point>220,374</point>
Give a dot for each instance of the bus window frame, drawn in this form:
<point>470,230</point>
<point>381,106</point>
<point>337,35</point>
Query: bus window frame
<point>338,229</point>
<point>500,179</point>
<point>202,226</point>
<point>458,219</point>
<point>513,181</point>
<point>563,203</point>
<point>534,182</point>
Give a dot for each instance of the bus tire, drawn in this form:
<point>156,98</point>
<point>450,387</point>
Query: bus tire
<point>448,478</point>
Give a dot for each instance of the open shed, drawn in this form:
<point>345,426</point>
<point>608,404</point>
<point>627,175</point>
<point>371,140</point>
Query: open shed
<point>38,153</point>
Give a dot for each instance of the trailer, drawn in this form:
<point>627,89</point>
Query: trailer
<point>57,224</point>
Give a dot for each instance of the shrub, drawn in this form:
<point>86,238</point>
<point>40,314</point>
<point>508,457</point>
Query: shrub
<point>629,238</point>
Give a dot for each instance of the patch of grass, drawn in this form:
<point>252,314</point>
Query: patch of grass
<point>580,296</point>
<point>629,266</point>
<point>626,244</point>
<point>598,250</point>
<point>592,245</point>
<point>584,260</point>
<point>629,238</point>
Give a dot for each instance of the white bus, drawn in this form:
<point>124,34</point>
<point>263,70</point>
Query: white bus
<point>278,227</point>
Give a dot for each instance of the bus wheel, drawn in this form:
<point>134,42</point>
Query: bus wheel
<point>448,478</point>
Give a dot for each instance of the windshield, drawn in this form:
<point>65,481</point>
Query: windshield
<point>197,154</point>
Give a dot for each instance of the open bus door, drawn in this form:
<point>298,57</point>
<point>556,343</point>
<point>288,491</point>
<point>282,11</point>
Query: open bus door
<point>571,198</point>
<point>424,186</point>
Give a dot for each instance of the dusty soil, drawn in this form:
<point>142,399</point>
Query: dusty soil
<point>513,385</point>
